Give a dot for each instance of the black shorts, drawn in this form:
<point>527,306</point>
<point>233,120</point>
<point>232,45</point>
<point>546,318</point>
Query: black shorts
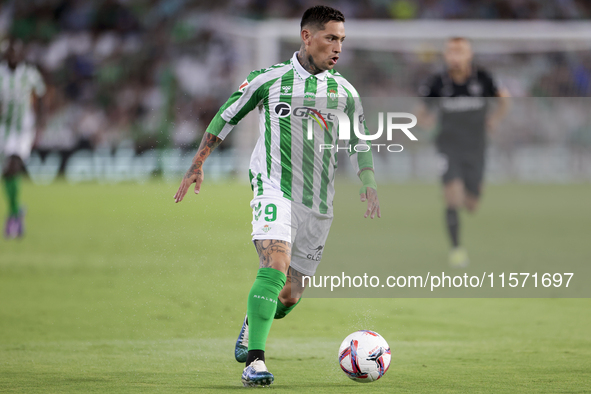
<point>468,168</point>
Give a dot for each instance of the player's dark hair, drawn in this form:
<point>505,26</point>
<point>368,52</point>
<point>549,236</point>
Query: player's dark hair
<point>319,15</point>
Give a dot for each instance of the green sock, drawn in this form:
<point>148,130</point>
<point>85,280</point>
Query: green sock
<point>283,310</point>
<point>261,306</point>
<point>11,186</point>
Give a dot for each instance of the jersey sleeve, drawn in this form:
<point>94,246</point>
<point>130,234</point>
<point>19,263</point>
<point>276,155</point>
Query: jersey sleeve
<point>491,88</point>
<point>430,87</point>
<point>361,159</point>
<point>430,90</point>
<point>36,81</point>
<point>248,96</point>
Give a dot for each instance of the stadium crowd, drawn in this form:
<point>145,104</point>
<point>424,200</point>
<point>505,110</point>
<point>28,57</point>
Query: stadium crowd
<point>424,9</point>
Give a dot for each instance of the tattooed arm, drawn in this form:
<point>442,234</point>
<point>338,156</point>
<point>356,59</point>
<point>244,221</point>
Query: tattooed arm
<point>195,173</point>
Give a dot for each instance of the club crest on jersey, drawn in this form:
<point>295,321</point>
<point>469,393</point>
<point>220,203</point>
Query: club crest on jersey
<point>286,90</point>
<point>332,94</point>
<point>282,109</point>
<point>266,228</point>
<point>243,86</point>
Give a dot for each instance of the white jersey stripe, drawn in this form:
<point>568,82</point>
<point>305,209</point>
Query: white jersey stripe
<point>275,137</point>
<point>297,142</point>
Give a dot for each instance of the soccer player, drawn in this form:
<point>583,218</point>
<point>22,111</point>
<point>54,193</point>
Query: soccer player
<point>20,87</point>
<point>464,117</point>
<point>292,179</point>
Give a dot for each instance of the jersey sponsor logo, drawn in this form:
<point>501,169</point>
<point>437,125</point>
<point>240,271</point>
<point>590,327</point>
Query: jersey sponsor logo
<point>307,112</point>
<point>243,86</point>
<point>282,110</point>
<point>317,116</point>
<point>309,96</point>
<point>316,253</point>
<point>285,90</point>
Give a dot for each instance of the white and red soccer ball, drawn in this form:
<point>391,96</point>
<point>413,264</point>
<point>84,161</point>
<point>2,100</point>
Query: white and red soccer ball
<point>364,356</point>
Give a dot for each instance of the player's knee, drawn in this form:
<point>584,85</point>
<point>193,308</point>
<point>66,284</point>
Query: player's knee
<point>288,300</point>
<point>12,167</point>
<point>471,205</point>
<point>454,195</point>
<point>9,172</point>
<point>453,205</point>
<point>280,262</point>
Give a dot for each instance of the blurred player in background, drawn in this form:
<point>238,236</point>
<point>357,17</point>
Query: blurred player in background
<point>464,118</point>
<point>292,180</point>
<point>21,85</point>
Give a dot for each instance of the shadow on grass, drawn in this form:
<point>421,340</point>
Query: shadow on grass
<point>299,386</point>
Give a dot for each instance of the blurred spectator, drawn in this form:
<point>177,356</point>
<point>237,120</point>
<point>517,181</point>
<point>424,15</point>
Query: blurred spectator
<point>157,71</point>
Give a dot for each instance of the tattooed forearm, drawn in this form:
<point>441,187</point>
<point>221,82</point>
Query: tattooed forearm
<point>307,61</point>
<point>208,143</point>
<point>268,247</point>
<point>193,170</point>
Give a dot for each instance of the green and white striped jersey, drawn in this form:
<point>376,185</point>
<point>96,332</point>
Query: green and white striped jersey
<point>16,87</point>
<point>285,161</point>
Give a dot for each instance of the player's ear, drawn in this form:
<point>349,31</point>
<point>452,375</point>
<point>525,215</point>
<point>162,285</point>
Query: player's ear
<point>306,36</point>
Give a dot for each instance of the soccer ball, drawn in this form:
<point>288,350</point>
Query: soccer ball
<point>364,356</point>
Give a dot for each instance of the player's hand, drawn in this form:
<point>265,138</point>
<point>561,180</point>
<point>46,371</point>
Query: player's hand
<point>193,175</point>
<point>373,204</point>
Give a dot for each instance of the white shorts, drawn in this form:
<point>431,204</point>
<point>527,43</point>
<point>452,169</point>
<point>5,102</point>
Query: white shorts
<point>276,217</point>
<point>19,144</point>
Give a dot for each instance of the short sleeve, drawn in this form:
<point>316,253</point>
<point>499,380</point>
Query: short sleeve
<point>429,90</point>
<point>430,87</point>
<point>490,86</point>
<point>36,81</point>
<point>249,94</point>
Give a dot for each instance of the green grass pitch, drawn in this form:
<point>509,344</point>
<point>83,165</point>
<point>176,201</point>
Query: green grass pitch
<point>117,289</point>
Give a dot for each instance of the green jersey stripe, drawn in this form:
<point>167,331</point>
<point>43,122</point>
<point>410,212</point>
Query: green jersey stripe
<point>285,136</point>
<point>308,159</point>
<point>259,185</point>
<point>21,105</point>
<point>11,104</point>
<point>243,101</point>
<point>268,137</point>
<point>331,93</point>
<point>256,73</point>
<point>254,100</point>
<point>250,178</point>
